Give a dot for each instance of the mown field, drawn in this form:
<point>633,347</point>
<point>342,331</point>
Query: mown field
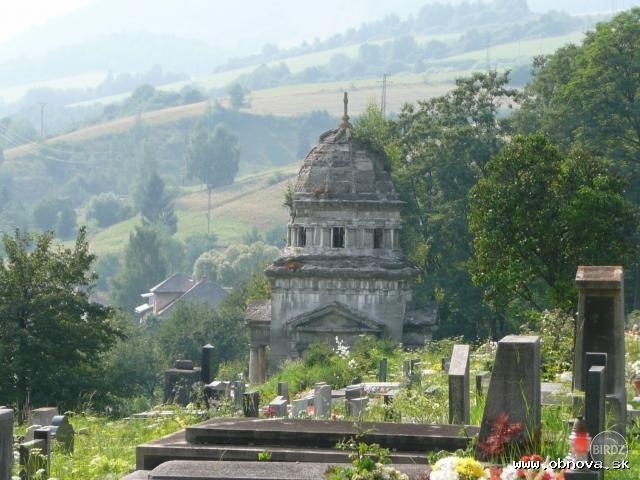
<point>255,200</point>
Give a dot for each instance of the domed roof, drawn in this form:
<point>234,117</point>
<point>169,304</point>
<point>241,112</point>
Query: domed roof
<point>343,168</point>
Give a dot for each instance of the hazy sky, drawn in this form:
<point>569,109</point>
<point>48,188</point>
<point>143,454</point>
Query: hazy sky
<point>18,16</point>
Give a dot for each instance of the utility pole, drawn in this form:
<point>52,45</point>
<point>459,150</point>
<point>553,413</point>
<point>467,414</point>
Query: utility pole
<point>42,105</point>
<point>383,98</point>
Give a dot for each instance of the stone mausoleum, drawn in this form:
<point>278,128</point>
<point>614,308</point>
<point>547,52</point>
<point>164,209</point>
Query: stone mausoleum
<point>342,273</point>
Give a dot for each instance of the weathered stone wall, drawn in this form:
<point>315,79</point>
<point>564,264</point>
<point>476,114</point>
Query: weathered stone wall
<point>384,301</point>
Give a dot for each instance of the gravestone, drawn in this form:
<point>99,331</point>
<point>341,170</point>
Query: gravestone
<point>238,391</point>
<point>382,371</point>
<point>206,372</point>
<point>218,390</point>
<point>322,400</point>
<point>353,391</point>
<point>299,407</point>
<point>6,443</point>
<point>444,363</point>
<point>63,432</point>
<point>283,390</point>
<point>600,328</point>
<point>278,407</point>
<point>251,404</point>
<point>183,364</point>
<point>594,407</point>
<point>553,393</point>
<point>514,391</point>
<point>459,402</point>
<point>42,416</point>
<point>179,381</point>
<point>36,454</point>
<point>357,406</point>
<point>406,370</point>
<point>482,382</point>
<point>432,390</point>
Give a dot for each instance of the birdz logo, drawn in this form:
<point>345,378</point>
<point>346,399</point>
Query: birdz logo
<point>610,449</point>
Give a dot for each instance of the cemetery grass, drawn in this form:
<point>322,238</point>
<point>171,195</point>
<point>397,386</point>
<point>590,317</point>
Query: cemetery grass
<point>107,450</point>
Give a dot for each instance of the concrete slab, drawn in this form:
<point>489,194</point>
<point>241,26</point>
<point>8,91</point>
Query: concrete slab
<point>224,470</point>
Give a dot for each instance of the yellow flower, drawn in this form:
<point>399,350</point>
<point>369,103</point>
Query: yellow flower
<point>470,469</point>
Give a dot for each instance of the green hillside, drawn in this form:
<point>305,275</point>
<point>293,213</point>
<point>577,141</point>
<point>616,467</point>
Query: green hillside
<point>254,200</point>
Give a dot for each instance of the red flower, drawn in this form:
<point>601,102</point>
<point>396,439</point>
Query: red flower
<point>502,432</point>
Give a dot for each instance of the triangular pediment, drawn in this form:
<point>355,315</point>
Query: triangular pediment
<point>335,318</point>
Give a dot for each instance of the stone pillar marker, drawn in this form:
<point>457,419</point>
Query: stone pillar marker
<point>238,392</point>
<point>6,443</point>
<point>515,387</point>
<point>207,367</point>
<point>283,390</point>
<point>251,404</point>
<point>322,400</point>
<point>382,373</point>
<point>600,328</point>
<point>253,365</point>
<point>459,402</point>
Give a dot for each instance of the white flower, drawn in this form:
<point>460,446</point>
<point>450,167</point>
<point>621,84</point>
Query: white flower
<point>510,472</point>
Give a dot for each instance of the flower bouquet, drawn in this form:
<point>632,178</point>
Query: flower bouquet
<point>458,468</point>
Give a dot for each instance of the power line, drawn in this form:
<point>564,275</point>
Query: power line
<point>42,105</point>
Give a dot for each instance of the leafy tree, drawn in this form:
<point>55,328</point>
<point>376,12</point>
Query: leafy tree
<point>143,267</point>
<point>66,224</point>
<point>108,209</point>
<point>438,150</point>
<point>588,94</point>
<point>132,364</point>
<point>51,335</point>
<point>238,96</point>
<point>235,264</point>
<point>155,204</point>
<point>195,245</point>
<point>45,213</point>
<point>193,325</point>
<point>213,158</point>
<point>537,215</point>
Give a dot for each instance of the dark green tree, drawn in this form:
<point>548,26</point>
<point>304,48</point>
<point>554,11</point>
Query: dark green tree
<point>155,204</point>
<point>193,325</point>
<point>213,158</point>
<point>66,224</point>
<point>108,209</point>
<point>589,94</point>
<point>51,335</point>
<point>438,151</point>
<point>238,96</point>
<point>143,266</point>
<point>537,215</point>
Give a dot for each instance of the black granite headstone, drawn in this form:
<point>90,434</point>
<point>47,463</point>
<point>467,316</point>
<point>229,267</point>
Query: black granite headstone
<point>206,372</point>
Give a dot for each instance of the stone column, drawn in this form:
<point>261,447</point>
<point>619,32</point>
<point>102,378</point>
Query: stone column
<point>206,367</point>
<point>459,410</point>
<point>262,363</point>
<point>253,365</point>
<point>288,235</point>
<point>600,328</point>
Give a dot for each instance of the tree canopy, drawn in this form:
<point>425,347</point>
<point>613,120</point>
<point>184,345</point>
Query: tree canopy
<point>213,156</point>
<point>538,214</point>
<point>51,334</point>
<point>438,150</point>
<point>155,203</point>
